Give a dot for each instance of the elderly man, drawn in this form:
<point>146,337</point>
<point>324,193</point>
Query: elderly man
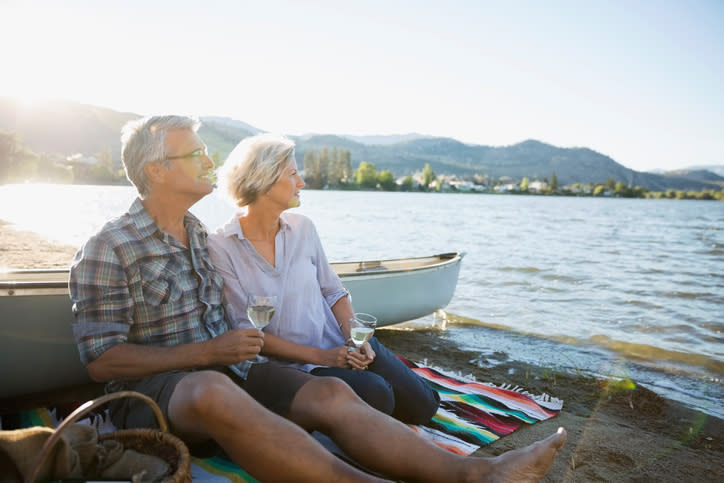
<point>149,318</point>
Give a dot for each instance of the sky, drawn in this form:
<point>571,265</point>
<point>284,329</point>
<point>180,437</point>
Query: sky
<point>639,81</point>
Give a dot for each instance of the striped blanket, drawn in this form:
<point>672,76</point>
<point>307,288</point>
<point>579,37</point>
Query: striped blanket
<point>471,414</point>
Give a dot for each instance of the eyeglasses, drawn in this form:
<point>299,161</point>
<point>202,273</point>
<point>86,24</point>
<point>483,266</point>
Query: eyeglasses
<point>195,155</point>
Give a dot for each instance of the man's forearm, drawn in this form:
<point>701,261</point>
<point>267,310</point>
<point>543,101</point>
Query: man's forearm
<point>132,361</point>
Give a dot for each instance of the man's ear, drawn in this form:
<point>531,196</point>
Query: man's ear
<point>155,172</point>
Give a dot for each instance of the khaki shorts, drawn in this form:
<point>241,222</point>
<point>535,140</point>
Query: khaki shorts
<point>271,384</point>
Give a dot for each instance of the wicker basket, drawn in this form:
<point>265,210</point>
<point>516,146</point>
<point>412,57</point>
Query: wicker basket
<point>161,444</point>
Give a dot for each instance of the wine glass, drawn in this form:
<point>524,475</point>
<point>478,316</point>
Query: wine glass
<point>260,309</point>
<point>362,326</point>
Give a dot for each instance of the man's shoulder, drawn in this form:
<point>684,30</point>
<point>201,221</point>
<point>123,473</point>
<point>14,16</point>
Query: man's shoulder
<point>118,231</point>
<point>115,237</point>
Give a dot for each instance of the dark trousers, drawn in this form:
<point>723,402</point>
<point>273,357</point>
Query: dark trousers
<point>389,386</point>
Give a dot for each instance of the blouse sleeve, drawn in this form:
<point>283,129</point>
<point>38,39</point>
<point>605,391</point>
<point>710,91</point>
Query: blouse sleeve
<point>329,282</point>
<point>234,294</point>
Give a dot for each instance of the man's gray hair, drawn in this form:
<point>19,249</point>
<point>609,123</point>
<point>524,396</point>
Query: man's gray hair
<point>253,167</point>
<point>144,141</point>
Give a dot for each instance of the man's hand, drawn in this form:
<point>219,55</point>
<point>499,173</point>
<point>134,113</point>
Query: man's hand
<point>236,345</point>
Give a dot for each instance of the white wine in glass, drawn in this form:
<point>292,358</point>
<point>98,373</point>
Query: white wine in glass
<point>260,309</point>
<point>362,328</point>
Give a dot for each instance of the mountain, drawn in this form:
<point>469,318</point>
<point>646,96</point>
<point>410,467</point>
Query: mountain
<point>223,134</point>
<point>232,123</point>
<point>66,128</point>
<point>385,139</point>
<point>532,159</point>
<point>712,168</point>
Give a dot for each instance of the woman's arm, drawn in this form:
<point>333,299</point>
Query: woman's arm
<point>343,312</point>
<point>283,349</point>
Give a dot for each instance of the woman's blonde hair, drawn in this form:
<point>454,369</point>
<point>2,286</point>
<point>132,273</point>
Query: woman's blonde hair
<point>253,167</point>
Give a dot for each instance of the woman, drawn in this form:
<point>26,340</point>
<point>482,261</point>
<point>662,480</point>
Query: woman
<point>266,250</point>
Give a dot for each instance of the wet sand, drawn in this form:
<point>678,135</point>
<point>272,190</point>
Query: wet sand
<point>614,433</point>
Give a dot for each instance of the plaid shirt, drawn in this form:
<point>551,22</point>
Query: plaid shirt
<point>134,283</point>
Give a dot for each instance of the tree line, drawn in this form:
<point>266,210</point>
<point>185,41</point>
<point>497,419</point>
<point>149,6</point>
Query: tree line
<point>332,168</point>
<point>19,164</point>
<point>328,168</point>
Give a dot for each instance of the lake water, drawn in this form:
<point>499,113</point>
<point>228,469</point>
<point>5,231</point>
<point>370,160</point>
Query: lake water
<point>615,287</point>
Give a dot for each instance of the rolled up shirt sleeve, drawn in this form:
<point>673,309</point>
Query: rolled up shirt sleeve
<point>102,304</point>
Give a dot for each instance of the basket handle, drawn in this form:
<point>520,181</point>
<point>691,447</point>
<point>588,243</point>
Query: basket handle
<point>81,411</point>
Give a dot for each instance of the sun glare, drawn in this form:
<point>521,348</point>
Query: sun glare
<point>29,99</point>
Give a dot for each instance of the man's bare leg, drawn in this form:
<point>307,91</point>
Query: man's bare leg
<point>208,404</point>
<point>383,444</point>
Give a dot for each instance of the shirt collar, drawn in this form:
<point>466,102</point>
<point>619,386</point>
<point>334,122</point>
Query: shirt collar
<point>147,227</point>
<point>233,227</point>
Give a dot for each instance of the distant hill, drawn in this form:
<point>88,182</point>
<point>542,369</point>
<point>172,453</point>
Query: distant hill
<point>531,158</point>
<point>232,123</point>
<point>386,139</point>
<point>716,169</point>
<point>67,127</point>
<point>222,136</point>
<point>64,127</point>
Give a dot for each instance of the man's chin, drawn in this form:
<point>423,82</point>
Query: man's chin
<point>294,203</point>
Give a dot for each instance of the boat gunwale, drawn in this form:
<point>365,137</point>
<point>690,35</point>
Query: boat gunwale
<point>443,259</point>
<point>440,260</point>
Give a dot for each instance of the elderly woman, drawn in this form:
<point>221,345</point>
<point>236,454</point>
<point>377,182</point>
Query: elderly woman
<point>266,250</point>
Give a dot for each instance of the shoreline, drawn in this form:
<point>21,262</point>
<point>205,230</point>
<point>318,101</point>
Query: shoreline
<point>615,433</point>
<point>26,249</point>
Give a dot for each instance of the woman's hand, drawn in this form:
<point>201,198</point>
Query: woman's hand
<point>369,352</point>
<point>335,357</point>
<point>360,358</point>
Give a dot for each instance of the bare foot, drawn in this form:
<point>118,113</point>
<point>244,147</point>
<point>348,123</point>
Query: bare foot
<point>527,464</point>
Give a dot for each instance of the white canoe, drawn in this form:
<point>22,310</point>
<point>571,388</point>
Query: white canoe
<point>403,289</point>
<point>38,352</point>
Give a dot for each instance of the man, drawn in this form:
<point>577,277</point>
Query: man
<point>149,318</point>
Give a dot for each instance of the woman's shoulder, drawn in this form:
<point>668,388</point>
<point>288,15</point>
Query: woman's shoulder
<point>221,237</point>
<point>298,221</point>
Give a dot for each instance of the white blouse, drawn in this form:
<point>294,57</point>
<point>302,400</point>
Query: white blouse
<point>304,283</point>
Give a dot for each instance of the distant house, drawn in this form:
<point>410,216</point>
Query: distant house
<point>505,188</point>
<point>537,186</point>
<point>465,186</point>
<point>79,159</point>
<point>81,165</point>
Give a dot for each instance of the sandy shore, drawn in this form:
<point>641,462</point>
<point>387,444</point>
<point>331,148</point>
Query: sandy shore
<point>22,249</point>
<point>614,434</point>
